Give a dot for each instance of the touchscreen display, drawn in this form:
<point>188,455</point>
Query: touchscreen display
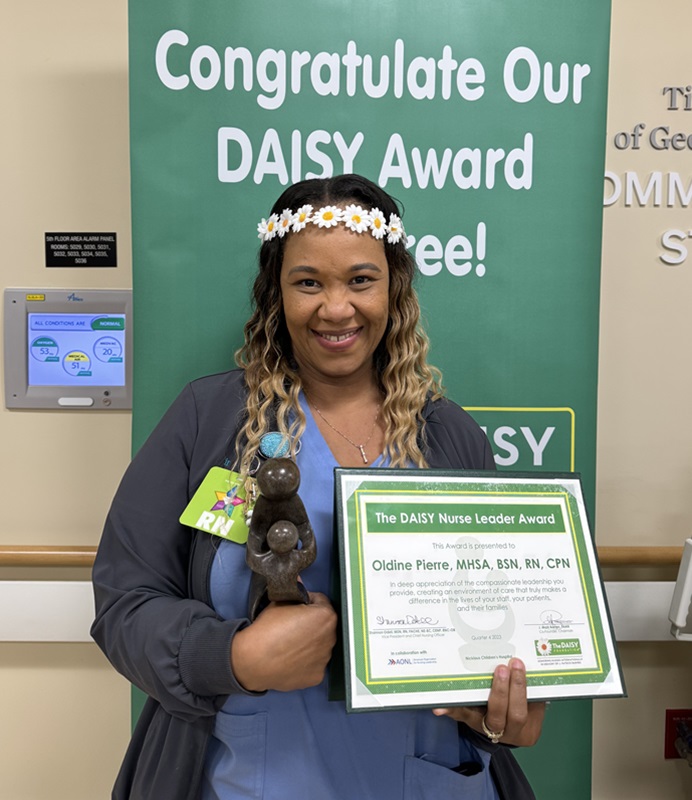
<point>76,349</point>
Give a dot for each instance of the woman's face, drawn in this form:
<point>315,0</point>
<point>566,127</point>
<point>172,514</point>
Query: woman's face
<point>335,291</point>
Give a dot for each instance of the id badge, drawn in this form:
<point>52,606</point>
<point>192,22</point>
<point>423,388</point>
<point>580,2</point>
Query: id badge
<point>218,506</point>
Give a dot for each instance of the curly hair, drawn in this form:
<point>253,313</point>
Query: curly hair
<point>400,360</point>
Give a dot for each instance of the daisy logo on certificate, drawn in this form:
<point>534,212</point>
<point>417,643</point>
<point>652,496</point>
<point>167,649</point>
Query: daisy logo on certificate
<point>558,647</point>
<point>543,647</point>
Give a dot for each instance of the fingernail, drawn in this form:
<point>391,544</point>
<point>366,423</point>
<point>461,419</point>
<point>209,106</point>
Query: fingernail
<point>502,673</point>
<point>439,712</point>
<point>517,663</point>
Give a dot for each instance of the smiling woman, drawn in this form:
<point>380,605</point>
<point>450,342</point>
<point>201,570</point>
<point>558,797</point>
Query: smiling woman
<point>335,293</point>
<point>334,370</point>
<point>335,288</point>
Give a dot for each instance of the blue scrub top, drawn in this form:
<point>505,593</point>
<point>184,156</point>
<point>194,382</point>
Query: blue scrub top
<point>302,746</point>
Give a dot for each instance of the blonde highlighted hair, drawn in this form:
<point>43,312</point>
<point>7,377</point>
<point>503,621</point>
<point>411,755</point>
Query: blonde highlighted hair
<point>400,360</point>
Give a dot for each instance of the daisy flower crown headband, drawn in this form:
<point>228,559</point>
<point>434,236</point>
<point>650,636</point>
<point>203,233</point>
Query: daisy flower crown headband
<point>355,218</point>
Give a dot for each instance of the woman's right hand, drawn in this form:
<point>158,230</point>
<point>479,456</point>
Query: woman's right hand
<point>287,647</point>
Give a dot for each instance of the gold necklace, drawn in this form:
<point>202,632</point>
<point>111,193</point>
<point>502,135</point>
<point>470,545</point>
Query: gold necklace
<point>360,447</point>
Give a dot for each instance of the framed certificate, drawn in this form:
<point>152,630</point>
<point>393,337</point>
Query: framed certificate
<point>444,575</point>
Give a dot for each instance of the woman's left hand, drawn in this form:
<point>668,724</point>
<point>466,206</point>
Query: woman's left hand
<point>508,709</point>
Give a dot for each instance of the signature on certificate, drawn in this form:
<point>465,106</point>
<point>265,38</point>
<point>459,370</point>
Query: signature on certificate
<point>554,618</point>
<point>409,619</point>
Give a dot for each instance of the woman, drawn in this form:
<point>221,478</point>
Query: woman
<point>335,362</point>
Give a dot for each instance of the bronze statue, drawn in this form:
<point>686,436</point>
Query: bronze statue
<point>281,541</point>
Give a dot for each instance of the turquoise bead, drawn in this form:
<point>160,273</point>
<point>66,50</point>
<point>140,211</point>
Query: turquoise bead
<point>274,445</point>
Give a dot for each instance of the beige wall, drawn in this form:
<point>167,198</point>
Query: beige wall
<point>65,167</point>
<point>645,384</point>
<point>64,151</point>
<point>644,454</point>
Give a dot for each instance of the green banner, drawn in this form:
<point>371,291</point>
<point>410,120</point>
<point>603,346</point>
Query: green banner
<point>487,122</point>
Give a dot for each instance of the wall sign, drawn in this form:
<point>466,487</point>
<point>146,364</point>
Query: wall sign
<point>81,250</point>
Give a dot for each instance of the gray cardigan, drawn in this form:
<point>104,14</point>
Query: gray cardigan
<point>154,620</point>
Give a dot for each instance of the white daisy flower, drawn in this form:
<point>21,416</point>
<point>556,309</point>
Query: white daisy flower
<point>378,224</point>
<point>301,218</point>
<point>396,229</point>
<point>266,230</point>
<point>328,217</point>
<point>356,218</point>
<point>543,647</point>
<point>285,221</point>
